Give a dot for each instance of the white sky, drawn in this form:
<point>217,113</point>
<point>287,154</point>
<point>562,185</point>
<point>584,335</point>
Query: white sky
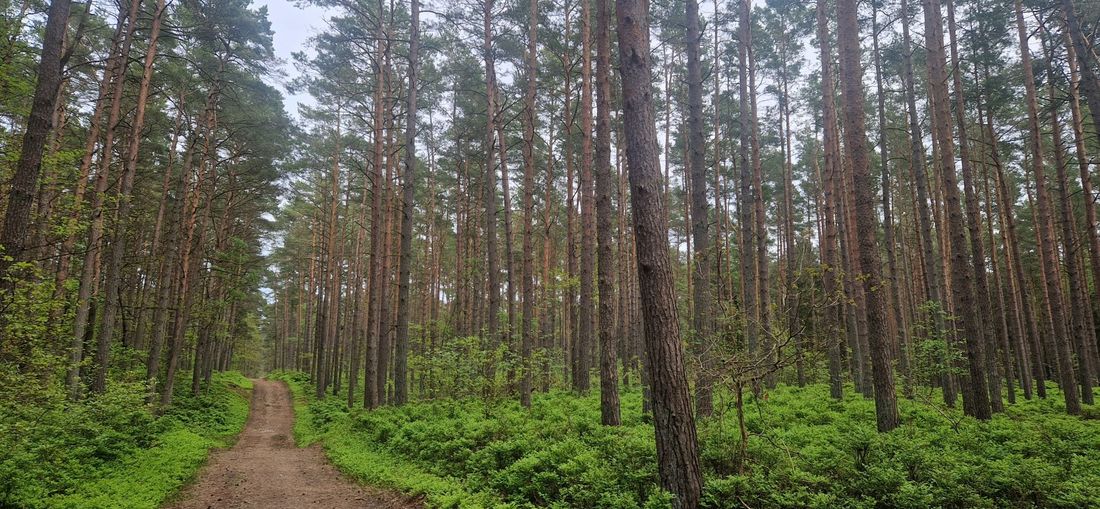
<point>294,23</point>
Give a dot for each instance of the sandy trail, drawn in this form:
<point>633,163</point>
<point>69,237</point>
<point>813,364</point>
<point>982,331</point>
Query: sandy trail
<point>266,470</point>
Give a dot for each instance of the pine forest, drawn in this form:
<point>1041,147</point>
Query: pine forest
<point>722,254</point>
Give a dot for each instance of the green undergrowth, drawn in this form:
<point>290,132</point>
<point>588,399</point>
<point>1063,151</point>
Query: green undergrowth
<point>327,422</point>
<point>110,450</point>
<point>804,450</point>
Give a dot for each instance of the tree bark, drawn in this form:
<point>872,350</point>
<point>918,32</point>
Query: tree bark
<point>583,345</point>
<point>677,449</point>
<point>118,246</point>
<point>851,70</point>
<point>1044,229</point>
<point>490,189</point>
<point>1090,84</point>
<point>829,262</point>
<point>527,284</point>
<point>92,259</point>
<point>605,185</point>
<point>974,226</point>
<point>1078,306</point>
<point>933,276</point>
<point>967,313</point>
<point>700,275</point>
<point>408,207</point>
<point>24,181</point>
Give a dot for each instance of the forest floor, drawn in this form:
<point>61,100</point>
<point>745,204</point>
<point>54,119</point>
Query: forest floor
<point>265,468</point>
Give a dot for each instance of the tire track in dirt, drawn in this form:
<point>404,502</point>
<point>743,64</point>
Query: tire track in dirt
<point>264,469</point>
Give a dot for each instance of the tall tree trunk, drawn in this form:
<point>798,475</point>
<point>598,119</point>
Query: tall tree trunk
<point>759,218</point>
<point>974,226</point>
<point>701,318</point>
<point>1091,235</point>
<point>605,185</point>
<point>900,348</point>
<point>90,269</point>
<point>408,207</point>
<point>386,317</point>
<point>1044,228</point>
<point>829,260</point>
<point>24,180</point>
<point>527,284</point>
<point>1020,293</point>
<point>371,389</point>
<point>749,280</point>
<point>1090,84</point>
<point>569,311</point>
<point>490,188</point>
<point>968,314</point>
<point>855,138</point>
<point>933,276</point>
<point>509,258</point>
<point>581,348</point>
<point>677,449</point>
<point>1078,303</point>
<point>118,246</point>
<point>791,296</point>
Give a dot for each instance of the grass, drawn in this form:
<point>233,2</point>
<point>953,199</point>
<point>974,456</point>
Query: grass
<point>111,452</point>
<point>326,422</point>
<point>804,450</point>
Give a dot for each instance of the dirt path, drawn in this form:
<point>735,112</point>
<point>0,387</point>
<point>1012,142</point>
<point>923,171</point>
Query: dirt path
<point>266,470</point>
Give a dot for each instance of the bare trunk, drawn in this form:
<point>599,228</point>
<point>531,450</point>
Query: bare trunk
<point>866,223</point>
<point>677,449</point>
<point>605,185</point>
<point>408,206</point>
<point>701,317</point>
<point>527,284</point>
<point>1045,230</point>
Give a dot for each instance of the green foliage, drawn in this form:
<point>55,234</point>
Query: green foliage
<point>328,421</point>
<point>804,450</point>
<point>933,356</point>
<point>109,450</point>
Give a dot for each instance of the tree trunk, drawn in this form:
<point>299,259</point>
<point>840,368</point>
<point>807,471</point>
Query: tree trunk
<point>900,348</point>
<point>581,348</point>
<point>933,276</point>
<point>1044,229</point>
<point>851,71</point>
<point>527,284</point>
<point>1078,306</point>
<point>1090,84</point>
<point>24,180</point>
<point>490,188</point>
<point>371,389</point>
<point>1020,293</point>
<point>701,317</point>
<point>605,185</point>
<point>749,280</point>
<point>408,207</point>
<point>973,219</point>
<point>118,246</point>
<point>677,449</point>
<point>1088,200</point>
<point>976,392</point>
<point>90,269</point>
<point>829,260</point>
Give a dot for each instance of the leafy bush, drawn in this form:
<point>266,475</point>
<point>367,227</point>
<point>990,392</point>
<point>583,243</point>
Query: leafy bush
<point>804,450</point>
<point>109,450</point>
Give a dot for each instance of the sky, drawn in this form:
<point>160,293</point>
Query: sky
<point>293,23</point>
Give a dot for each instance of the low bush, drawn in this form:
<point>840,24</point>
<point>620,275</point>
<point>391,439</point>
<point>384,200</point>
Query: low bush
<point>110,450</point>
<point>804,451</point>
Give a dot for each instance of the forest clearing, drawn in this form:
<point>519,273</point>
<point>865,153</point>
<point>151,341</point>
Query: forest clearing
<point>719,254</point>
